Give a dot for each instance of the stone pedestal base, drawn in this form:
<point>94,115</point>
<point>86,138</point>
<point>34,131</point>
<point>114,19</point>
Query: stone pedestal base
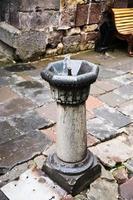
<point>73,177</point>
<point>3,196</point>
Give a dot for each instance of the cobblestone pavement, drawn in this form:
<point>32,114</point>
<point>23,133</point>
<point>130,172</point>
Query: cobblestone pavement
<point>28,122</point>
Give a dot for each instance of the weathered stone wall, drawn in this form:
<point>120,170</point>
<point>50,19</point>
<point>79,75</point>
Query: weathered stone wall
<point>50,27</point>
<point>30,14</point>
<point>121,3</point>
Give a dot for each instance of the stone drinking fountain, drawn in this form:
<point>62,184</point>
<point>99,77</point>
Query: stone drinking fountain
<point>72,166</point>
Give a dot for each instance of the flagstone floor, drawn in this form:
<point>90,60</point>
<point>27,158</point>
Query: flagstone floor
<point>28,122</point>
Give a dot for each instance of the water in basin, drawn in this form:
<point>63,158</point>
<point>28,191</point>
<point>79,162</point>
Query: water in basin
<point>71,65</point>
<point>68,67</point>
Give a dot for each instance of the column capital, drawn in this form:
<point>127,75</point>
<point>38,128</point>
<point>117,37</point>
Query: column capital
<point>70,97</point>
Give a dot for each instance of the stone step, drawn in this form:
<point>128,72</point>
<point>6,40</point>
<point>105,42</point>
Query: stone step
<point>25,43</point>
<point>9,34</point>
<point>6,51</point>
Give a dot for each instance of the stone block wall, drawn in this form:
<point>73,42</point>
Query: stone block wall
<point>65,26</point>
<point>121,3</point>
<point>30,14</point>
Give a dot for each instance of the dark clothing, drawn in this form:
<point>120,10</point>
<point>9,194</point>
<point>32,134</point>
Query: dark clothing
<point>106,32</point>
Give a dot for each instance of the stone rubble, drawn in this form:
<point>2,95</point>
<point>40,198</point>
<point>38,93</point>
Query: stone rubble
<point>121,175</point>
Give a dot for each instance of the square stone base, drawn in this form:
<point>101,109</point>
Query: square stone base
<point>74,184</point>
<point>3,196</point>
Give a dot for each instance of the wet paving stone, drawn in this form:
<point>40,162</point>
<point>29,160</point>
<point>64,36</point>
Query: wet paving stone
<point>125,91</point>
<point>101,130</point>
<point>127,108</point>
<point>91,140</point>
<point>106,85</point>
<point>15,79</point>
<point>127,67</point>
<point>129,165</point>
<point>95,91</point>
<point>124,79</point>
<point>108,73</point>
<point>20,67</point>
<point>102,189</point>
<point>4,77</point>
<point>15,106</point>
<point>4,73</point>
<point>30,84</point>
<point>112,99</point>
<point>22,149</point>
<point>37,96</point>
<point>3,81</point>
<point>126,190</point>
<point>3,196</point>
<point>30,121</point>
<point>33,90</point>
<point>92,103</point>
<point>114,151</point>
<point>40,80</point>
<point>7,132</point>
<point>113,117</point>
<point>7,94</point>
<point>48,111</point>
<point>41,97</point>
<point>33,73</point>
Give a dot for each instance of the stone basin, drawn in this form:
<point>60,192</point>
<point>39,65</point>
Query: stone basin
<point>70,84</point>
<point>83,73</point>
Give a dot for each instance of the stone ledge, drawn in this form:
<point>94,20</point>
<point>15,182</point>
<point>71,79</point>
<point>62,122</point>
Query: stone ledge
<point>31,44</point>
<point>8,34</point>
<point>46,5</point>
<point>9,27</point>
<point>26,43</point>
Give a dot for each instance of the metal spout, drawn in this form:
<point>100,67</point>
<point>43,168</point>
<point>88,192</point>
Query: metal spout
<point>69,72</point>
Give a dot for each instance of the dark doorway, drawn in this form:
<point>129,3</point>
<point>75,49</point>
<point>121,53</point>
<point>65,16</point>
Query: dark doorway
<point>130,3</point>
